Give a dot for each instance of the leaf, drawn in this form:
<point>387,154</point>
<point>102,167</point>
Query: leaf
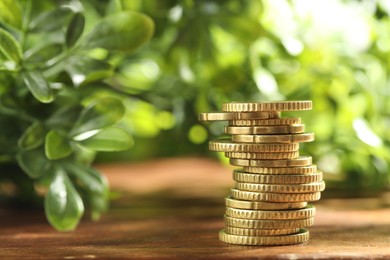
<point>114,6</point>
<point>75,29</point>
<point>44,53</point>
<point>51,20</point>
<point>99,114</point>
<point>99,204</point>
<point>64,116</point>
<point>83,70</point>
<point>9,47</point>
<point>96,185</point>
<point>83,155</point>
<point>90,179</point>
<point>109,139</point>
<point>123,31</point>
<point>56,146</point>
<point>245,30</point>
<point>11,13</point>
<point>32,137</point>
<point>63,204</point>
<point>33,163</point>
<point>38,86</point>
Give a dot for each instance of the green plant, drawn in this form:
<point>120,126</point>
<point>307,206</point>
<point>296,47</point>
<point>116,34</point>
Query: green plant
<point>210,52</point>
<point>56,109</point>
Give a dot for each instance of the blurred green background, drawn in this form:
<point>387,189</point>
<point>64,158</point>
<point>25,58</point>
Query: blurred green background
<point>205,53</point>
<point>208,52</point>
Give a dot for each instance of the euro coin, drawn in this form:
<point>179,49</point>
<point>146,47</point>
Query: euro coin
<point>298,238</point>
<point>204,117</point>
<point>292,138</point>
<point>307,212</point>
<point>260,205</point>
<point>284,188</point>
<point>275,197</point>
<point>300,161</point>
<point>267,106</point>
<point>228,146</point>
<point>282,170</point>
<point>259,232</point>
<point>270,130</point>
<point>241,176</point>
<point>263,156</point>
<point>264,122</point>
<point>268,224</point>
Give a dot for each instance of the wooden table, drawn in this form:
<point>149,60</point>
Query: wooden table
<point>173,209</point>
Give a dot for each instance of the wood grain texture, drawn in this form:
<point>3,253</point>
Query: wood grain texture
<point>171,224</point>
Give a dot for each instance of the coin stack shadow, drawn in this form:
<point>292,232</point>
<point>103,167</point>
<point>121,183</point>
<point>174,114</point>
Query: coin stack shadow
<point>268,204</point>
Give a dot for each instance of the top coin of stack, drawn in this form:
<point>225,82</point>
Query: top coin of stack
<point>268,204</point>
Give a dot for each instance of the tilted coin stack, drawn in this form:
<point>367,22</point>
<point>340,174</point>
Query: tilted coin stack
<point>268,204</point>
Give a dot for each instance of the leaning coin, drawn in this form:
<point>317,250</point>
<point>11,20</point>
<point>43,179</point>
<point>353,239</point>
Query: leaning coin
<point>307,212</point>
<point>281,188</point>
<point>262,122</point>
<point>298,238</point>
<point>203,117</point>
<point>241,176</point>
<point>263,156</point>
<point>258,130</point>
<point>268,224</point>
<point>228,146</point>
<point>267,106</point>
<point>282,170</point>
<point>259,205</point>
<point>259,232</point>
<point>292,138</point>
<point>300,161</point>
<point>274,197</point>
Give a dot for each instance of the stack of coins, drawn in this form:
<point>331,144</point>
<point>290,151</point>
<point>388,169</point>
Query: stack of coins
<point>268,204</point>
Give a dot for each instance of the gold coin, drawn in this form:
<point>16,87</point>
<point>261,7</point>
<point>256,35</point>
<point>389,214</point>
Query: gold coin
<point>271,121</point>
<point>258,130</point>
<point>259,232</point>
<point>282,170</point>
<point>241,176</point>
<point>294,138</point>
<point>237,116</point>
<point>263,156</point>
<point>298,238</point>
<point>268,224</point>
<point>259,205</point>
<point>267,106</point>
<point>307,212</point>
<point>228,146</point>
<point>300,161</point>
<point>274,197</point>
<point>285,188</point>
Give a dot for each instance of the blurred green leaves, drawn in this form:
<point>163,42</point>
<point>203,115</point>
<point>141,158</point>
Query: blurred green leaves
<point>53,89</point>
<point>9,49</point>
<point>11,13</point>
<point>99,114</point>
<point>84,70</point>
<point>51,20</point>
<point>75,29</point>
<point>32,137</point>
<point>109,139</point>
<point>38,86</point>
<point>34,163</point>
<point>123,31</point>
<point>206,53</point>
<point>95,184</point>
<point>63,205</point>
<point>56,145</point>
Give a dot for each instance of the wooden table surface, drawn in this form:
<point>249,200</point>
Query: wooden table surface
<point>173,208</point>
